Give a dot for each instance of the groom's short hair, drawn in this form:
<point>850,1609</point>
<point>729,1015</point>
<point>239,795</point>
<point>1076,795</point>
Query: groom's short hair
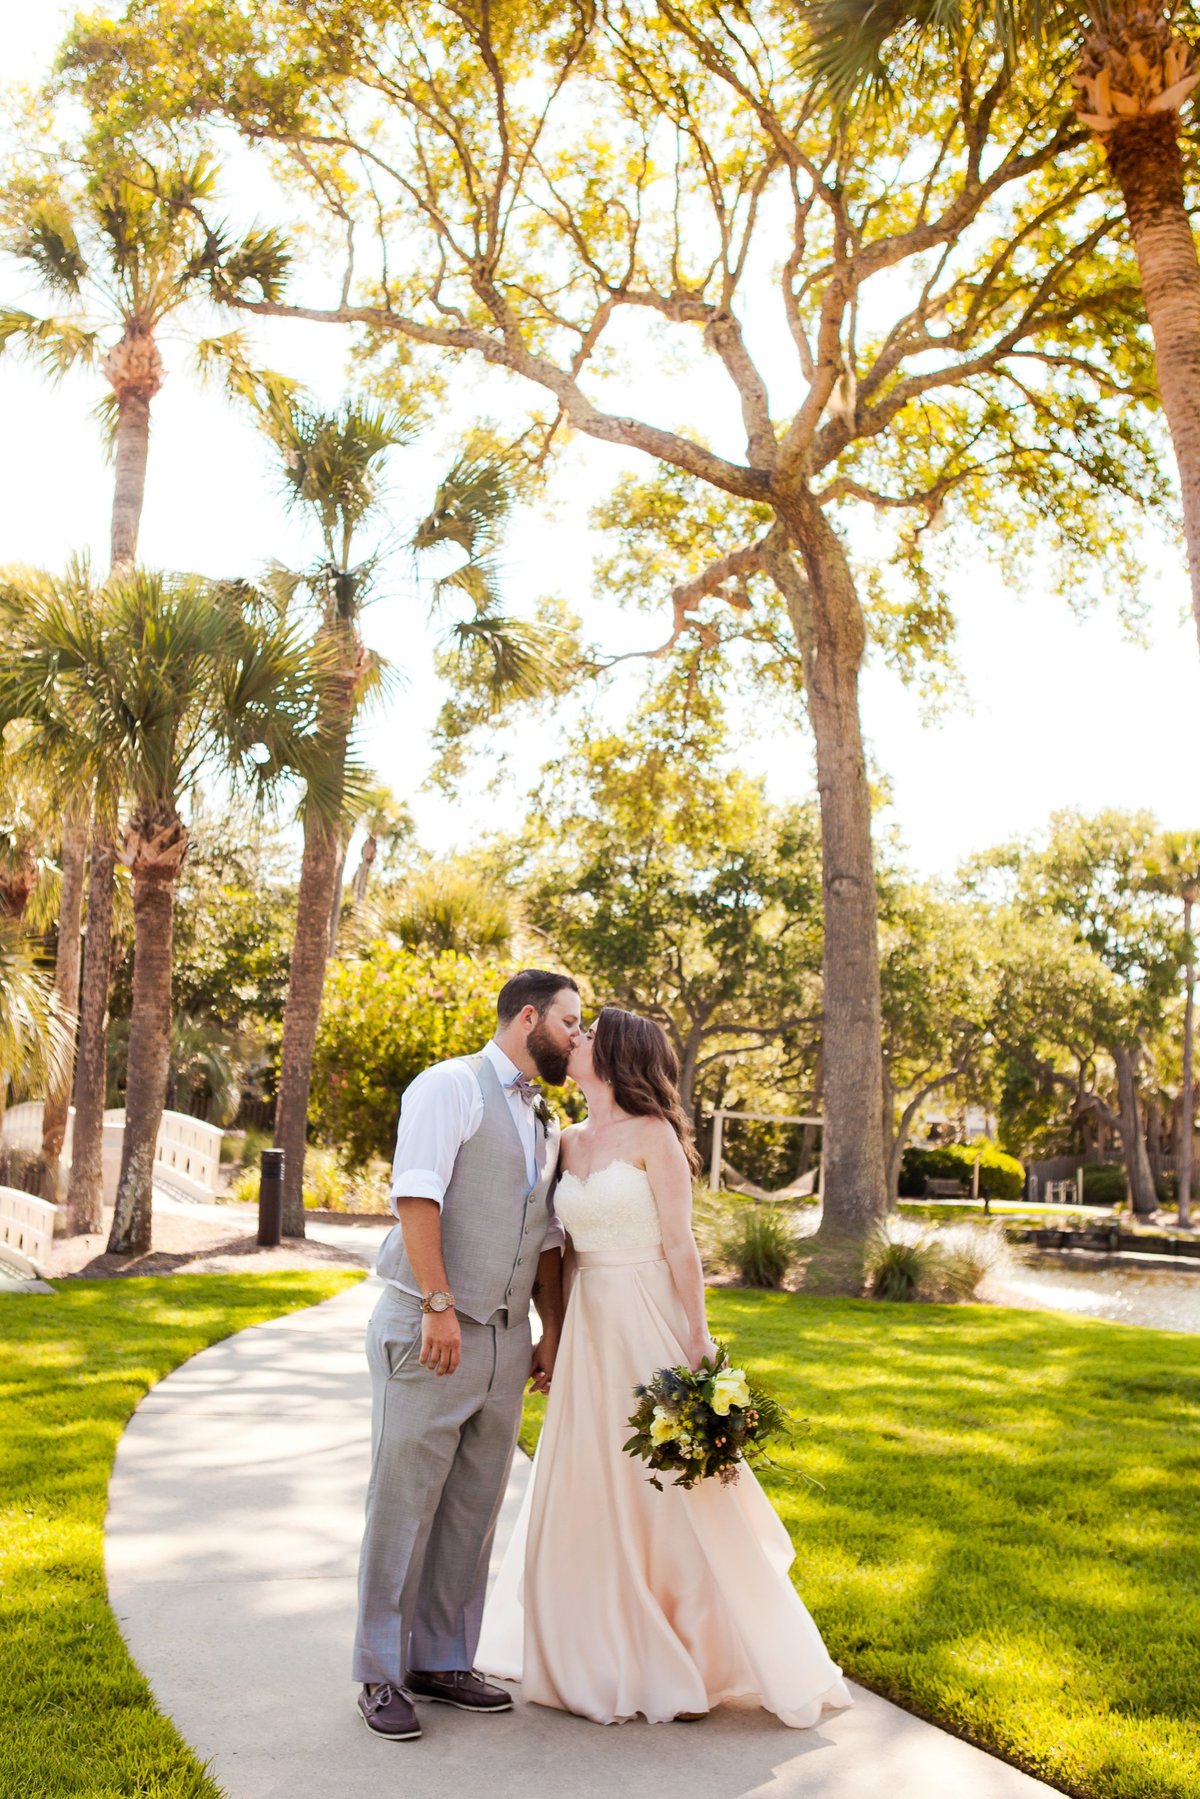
<point>532,987</point>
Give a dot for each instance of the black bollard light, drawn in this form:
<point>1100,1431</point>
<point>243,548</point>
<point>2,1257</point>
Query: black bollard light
<point>270,1198</point>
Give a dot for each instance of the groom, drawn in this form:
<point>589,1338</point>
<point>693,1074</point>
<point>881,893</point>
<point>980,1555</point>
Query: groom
<point>449,1349</point>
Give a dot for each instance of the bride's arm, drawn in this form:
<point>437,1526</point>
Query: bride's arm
<point>671,1179</point>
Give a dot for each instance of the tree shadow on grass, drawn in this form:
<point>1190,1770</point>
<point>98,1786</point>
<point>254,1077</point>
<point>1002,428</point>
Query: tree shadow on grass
<point>1005,1536</point>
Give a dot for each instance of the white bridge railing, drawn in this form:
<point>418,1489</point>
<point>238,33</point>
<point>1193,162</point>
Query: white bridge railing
<point>187,1151</point>
<point>26,1230</point>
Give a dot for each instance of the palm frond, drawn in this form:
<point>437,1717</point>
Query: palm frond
<point>57,343</point>
<point>107,413</point>
<point>527,661</point>
<point>856,48</point>
<point>36,1038</point>
<point>227,360</point>
<point>333,461</point>
<point>471,505</point>
<point>260,260</point>
<point>48,240</point>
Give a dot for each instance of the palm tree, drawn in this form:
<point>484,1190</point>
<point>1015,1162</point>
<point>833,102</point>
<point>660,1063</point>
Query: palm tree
<point>124,252</point>
<point>447,906</point>
<point>333,465</point>
<point>1134,71</point>
<point>160,678</point>
<point>1173,869</point>
<point>386,820</point>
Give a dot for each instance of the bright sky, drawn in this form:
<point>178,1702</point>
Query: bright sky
<point>1060,711</point>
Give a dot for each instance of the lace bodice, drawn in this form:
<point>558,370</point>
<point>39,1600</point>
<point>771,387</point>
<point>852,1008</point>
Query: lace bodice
<point>613,1208</point>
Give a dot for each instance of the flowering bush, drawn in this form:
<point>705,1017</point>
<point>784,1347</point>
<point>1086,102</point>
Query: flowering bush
<point>695,1423</point>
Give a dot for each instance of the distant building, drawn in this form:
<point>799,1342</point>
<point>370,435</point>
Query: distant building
<point>946,1121</point>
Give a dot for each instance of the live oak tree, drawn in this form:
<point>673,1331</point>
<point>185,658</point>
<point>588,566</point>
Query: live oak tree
<point>1089,875</point>
<point>930,316</point>
<point>939,981</point>
<point>673,887</point>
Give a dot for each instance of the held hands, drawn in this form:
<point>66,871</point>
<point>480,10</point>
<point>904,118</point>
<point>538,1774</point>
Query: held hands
<point>441,1341</point>
<point>541,1366</point>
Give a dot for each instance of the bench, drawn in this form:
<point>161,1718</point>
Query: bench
<point>951,1189</point>
<point>26,1229</point>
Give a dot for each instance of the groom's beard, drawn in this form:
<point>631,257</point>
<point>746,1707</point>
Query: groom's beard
<point>549,1060</point>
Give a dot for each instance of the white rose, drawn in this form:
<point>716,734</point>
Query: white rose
<point>729,1388</point>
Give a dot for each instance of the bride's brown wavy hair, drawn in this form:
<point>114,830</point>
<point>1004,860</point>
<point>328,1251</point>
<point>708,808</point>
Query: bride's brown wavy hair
<point>634,1055</point>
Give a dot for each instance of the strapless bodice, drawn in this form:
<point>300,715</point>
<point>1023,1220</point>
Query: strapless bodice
<point>612,1208</point>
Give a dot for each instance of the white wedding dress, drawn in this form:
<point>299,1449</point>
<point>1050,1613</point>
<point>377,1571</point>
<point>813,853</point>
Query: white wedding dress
<point>614,1599</point>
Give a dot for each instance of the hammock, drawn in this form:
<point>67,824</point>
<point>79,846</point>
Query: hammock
<point>804,1188</point>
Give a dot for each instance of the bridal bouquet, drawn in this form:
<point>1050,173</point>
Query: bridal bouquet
<point>695,1423</point>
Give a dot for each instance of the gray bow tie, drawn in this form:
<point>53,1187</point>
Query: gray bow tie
<point>525,1087</point>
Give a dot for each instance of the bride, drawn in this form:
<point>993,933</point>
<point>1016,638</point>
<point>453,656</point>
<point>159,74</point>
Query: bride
<point>615,1599</point>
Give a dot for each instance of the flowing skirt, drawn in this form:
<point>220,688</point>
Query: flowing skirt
<point>615,1599</point>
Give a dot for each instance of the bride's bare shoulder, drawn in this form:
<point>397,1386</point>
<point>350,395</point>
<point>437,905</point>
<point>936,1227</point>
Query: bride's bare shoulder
<point>656,1138</point>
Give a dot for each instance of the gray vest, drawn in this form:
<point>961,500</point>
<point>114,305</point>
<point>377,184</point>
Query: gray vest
<point>493,1222</point>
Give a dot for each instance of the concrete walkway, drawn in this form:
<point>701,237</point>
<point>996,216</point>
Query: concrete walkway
<point>234,1518</point>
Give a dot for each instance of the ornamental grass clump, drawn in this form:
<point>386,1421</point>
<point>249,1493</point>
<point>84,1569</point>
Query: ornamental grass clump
<point>907,1263</point>
<point>759,1246</point>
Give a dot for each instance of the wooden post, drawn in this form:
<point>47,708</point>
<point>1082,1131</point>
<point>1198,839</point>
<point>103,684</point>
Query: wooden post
<point>975,1177</point>
<point>714,1178</point>
<point>1079,1185</point>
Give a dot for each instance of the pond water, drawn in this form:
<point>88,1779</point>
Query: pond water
<point>1106,1287</point>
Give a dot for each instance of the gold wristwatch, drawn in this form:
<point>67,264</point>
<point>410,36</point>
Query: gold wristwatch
<point>437,1301</point>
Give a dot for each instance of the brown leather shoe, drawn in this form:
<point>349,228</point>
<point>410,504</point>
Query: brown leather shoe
<point>458,1686</point>
<point>388,1711</point>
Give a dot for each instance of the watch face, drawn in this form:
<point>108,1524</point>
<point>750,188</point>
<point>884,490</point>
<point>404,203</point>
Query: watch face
<point>439,1302</point>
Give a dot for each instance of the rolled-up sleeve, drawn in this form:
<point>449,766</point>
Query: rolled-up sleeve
<point>436,1118</point>
<point>556,1236</point>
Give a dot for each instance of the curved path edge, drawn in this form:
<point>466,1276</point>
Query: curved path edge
<point>234,1516</point>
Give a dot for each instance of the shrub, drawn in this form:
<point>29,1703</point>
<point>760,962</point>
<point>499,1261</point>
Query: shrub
<point>1002,1175</point>
<point>900,1267</point>
<point>1104,1185</point>
<point>329,1186</point>
<point>759,1246</point>
<point>383,1020</point>
<point>905,1262</point>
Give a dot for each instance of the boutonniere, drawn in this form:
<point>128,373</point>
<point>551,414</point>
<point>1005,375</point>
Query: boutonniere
<point>542,1112</point>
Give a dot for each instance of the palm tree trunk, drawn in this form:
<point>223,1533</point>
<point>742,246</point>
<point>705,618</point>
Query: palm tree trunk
<point>320,874</point>
<point>1142,1196</point>
<point>149,1056</point>
<point>302,1011</point>
<point>1188,1122</point>
<point>135,371</point>
<point>362,874</point>
<point>1147,166</point>
<point>335,910</point>
<point>86,1195</point>
<point>85,1189</point>
<point>66,986</point>
<point>831,632</point>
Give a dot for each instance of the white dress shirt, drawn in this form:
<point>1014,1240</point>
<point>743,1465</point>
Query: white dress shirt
<point>440,1110</point>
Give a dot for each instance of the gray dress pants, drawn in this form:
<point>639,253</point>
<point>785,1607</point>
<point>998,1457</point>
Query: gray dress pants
<point>441,1449</point>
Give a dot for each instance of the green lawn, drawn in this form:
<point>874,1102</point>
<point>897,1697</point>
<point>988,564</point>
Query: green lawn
<point>1008,1540</point>
<point>76,1716</point>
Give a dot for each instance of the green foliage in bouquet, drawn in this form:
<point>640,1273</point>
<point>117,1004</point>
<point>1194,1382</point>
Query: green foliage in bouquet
<point>697,1423</point>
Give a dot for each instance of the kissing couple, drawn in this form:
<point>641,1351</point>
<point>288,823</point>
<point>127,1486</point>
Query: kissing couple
<point>614,1599</point>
